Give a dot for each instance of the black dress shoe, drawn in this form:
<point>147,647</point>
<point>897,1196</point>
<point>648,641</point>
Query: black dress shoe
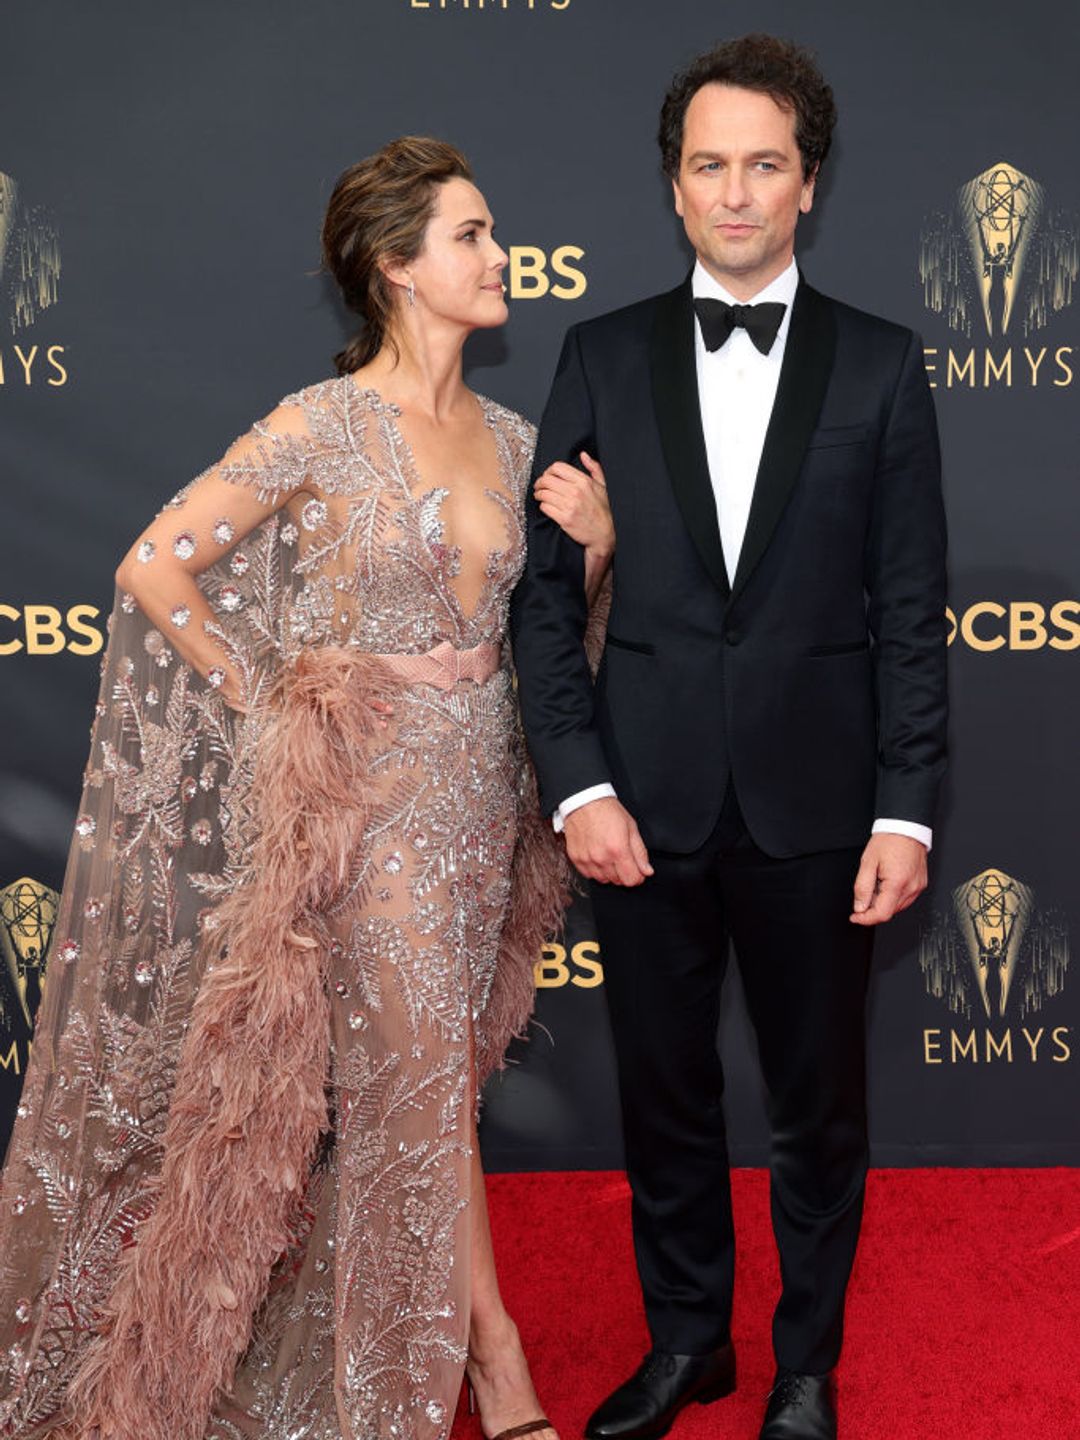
<point>801,1407</point>
<point>645,1407</point>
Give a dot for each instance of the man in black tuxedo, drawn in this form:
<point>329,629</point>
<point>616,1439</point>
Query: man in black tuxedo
<point>760,754</point>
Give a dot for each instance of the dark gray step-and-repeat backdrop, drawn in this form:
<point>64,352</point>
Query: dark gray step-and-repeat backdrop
<point>162,175</point>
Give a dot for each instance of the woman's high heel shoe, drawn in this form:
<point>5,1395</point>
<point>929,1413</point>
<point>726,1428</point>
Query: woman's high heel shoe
<point>530,1427</point>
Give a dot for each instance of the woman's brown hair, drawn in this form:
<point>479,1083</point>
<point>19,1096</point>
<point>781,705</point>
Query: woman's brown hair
<point>379,211</point>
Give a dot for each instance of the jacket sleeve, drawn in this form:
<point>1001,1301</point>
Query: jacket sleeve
<point>905,583</point>
<point>549,613</point>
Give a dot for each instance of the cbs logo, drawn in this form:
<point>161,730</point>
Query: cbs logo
<point>1021,625</point>
<point>581,968</point>
<point>43,630</point>
<point>534,274</point>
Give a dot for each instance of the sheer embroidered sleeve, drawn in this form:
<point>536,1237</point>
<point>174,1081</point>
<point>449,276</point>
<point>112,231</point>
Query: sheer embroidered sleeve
<point>201,527</point>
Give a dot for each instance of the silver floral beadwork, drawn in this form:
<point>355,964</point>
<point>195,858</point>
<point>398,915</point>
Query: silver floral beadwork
<point>184,545</point>
<point>93,908</point>
<point>239,564</point>
<point>69,951</point>
<point>146,552</point>
<point>180,615</point>
<point>357,1020</point>
<point>23,1311</point>
<point>144,973</point>
<point>223,531</point>
<point>289,534</point>
<point>229,599</point>
<point>202,832</point>
<point>85,826</point>
<point>215,676</point>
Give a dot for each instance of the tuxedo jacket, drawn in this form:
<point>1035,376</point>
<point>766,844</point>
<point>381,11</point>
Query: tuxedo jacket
<point>815,680</point>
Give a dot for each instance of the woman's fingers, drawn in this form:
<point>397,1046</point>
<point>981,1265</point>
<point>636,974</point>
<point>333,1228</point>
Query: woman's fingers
<point>595,469</point>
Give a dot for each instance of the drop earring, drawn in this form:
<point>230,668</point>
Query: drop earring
<point>411,293</point>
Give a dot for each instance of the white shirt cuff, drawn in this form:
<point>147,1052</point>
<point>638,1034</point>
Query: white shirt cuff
<point>575,802</point>
<point>922,833</point>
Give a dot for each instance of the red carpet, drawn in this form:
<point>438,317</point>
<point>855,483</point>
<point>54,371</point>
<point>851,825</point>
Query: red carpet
<point>963,1316</point>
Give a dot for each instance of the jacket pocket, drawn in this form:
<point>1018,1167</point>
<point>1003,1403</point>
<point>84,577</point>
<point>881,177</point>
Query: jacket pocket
<point>636,646</point>
<point>832,435</point>
<point>851,647</point>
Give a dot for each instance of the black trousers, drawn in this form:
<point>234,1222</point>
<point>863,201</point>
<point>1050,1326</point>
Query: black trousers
<point>805,969</point>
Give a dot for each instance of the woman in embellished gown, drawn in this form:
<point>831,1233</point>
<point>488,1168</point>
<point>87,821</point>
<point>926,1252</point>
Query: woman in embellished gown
<point>307,887</point>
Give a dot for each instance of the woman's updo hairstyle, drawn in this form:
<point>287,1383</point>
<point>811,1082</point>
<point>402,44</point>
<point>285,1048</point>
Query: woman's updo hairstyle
<point>379,211</point>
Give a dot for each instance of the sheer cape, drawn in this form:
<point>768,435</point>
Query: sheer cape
<point>178,1094</point>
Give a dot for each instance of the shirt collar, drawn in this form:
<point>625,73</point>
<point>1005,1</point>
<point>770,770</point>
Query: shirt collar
<point>782,288</point>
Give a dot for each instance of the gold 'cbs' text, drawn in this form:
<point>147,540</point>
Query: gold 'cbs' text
<point>530,278</point>
<point>30,364</point>
<point>1020,625</point>
<point>581,967</point>
<point>43,630</point>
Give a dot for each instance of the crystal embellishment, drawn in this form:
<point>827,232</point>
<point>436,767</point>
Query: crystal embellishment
<point>146,552</point>
<point>229,599</point>
<point>184,545</point>
<point>180,615</point>
<point>313,514</point>
<point>223,531</point>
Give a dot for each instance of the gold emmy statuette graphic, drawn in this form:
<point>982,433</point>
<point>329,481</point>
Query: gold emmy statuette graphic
<point>994,951</point>
<point>993,912</point>
<point>1000,251</point>
<point>27,916</point>
<point>1002,207</point>
<point>29,257</point>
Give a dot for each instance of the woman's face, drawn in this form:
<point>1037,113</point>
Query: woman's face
<point>458,273</point>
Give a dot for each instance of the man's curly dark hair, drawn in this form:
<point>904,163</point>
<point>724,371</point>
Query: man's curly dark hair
<point>778,68</point>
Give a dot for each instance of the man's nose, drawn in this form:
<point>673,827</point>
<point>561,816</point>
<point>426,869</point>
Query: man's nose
<point>735,192</point>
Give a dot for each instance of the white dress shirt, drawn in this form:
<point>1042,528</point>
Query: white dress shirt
<point>737,391</point>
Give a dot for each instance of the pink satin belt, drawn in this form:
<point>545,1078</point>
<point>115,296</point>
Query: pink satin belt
<point>445,667</point>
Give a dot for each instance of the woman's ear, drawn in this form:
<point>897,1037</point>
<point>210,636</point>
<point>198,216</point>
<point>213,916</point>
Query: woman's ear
<point>395,272</point>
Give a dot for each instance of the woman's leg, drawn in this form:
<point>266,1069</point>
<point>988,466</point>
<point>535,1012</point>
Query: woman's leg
<point>497,1368</point>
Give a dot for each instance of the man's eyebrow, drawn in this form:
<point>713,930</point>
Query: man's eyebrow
<point>754,155</point>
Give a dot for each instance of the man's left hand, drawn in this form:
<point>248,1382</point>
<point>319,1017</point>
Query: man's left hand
<point>892,875</point>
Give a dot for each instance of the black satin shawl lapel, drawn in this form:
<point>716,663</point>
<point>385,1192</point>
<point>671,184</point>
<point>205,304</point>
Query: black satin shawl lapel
<point>804,378</point>
<point>678,417</point>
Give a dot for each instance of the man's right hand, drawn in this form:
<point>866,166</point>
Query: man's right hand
<point>603,843</point>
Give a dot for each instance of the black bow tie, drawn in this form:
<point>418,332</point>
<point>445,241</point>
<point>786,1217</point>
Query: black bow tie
<point>718,319</point>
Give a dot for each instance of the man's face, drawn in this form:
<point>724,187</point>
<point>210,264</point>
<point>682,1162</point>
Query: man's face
<point>740,188</point>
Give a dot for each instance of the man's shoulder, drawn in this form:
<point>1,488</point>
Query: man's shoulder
<point>626,322</point>
<point>864,324</point>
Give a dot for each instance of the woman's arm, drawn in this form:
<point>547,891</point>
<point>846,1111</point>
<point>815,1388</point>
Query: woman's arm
<point>257,476</point>
<point>577,501</point>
